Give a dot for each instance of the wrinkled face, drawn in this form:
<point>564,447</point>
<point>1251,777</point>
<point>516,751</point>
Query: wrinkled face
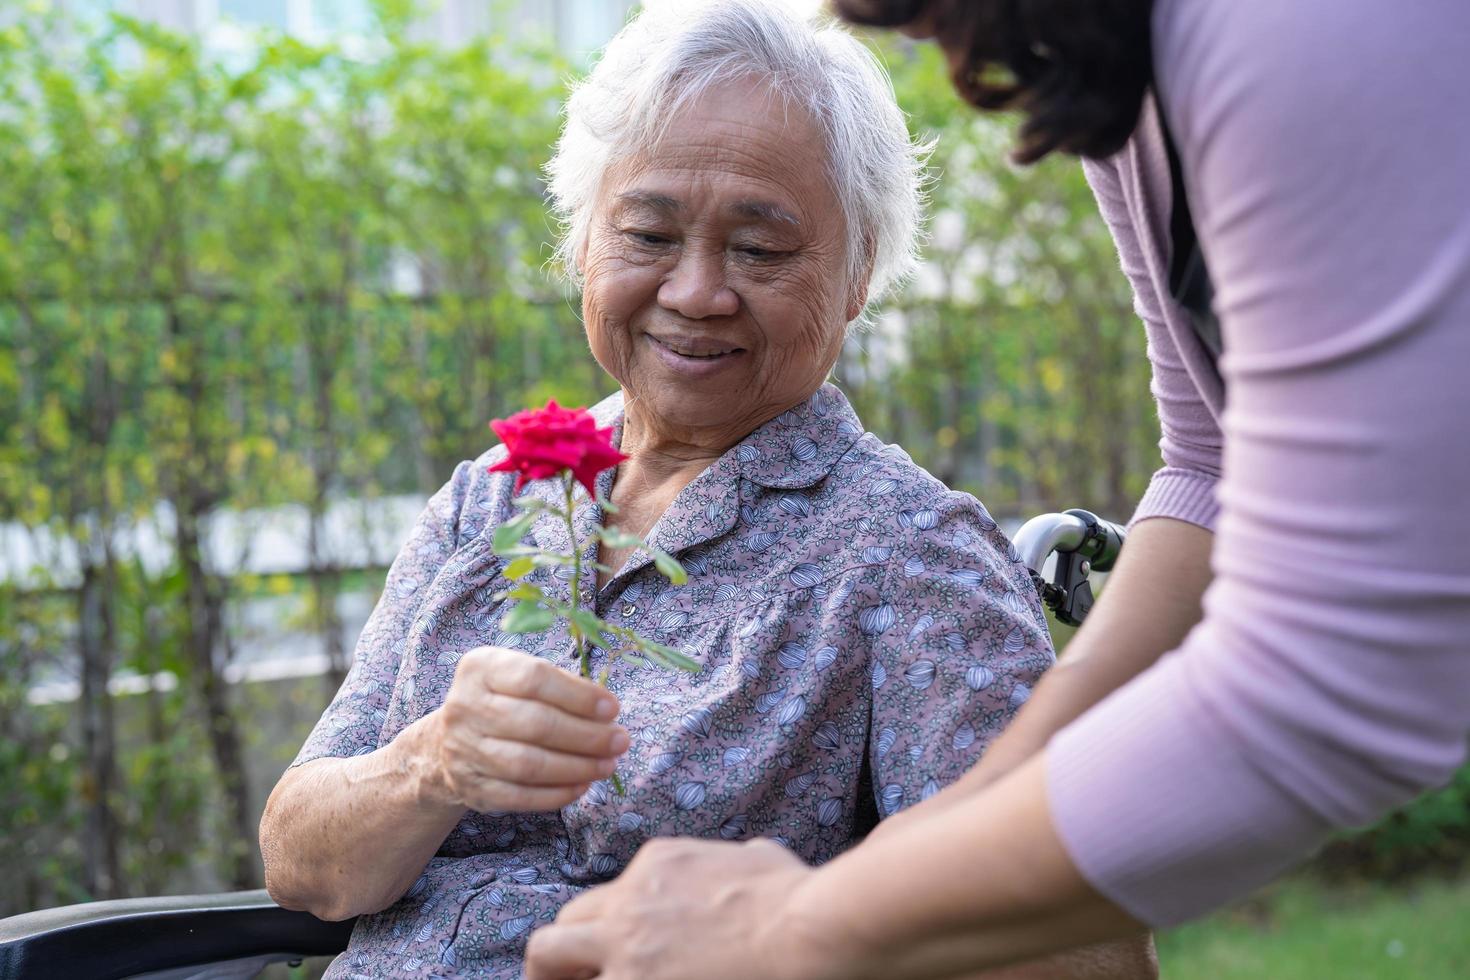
<point>716,285</point>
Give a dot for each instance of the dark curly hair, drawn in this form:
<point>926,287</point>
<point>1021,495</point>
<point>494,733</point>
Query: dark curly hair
<point>1077,70</point>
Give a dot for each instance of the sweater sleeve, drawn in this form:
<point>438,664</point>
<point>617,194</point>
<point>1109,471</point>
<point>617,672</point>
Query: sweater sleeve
<point>1329,681</point>
<point>1184,488</point>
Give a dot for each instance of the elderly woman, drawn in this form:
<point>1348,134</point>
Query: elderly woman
<point>737,186</point>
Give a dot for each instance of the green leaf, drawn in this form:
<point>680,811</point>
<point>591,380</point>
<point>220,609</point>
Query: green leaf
<point>527,617</point>
<point>526,591</point>
<point>520,567</point>
<point>617,538</point>
<point>666,656</point>
<point>591,627</point>
<point>509,534</point>
<point>605,504</point>
<point>531,505</point>
<point>617,785</point>
<point>518,551</point>
<point>668,565</point>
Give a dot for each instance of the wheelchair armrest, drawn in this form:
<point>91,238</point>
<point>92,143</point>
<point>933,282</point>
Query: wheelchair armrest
<point>129,937</point>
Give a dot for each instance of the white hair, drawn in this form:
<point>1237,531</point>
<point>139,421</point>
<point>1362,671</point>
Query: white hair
<point>672,52</point>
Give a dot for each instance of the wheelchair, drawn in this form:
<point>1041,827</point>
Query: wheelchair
<point>234,936</point>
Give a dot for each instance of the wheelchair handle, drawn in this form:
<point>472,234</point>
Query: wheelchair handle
<point>1079,531</point>
<point>1084,543</point>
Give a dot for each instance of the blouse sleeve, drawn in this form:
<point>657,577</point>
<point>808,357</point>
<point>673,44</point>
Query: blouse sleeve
<point>966,644</point>
<point>353,722</point>
<point>1327,682</point>
<point>1190,441</point>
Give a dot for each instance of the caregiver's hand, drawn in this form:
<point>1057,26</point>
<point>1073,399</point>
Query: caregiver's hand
<point>518,733</point>
<point>728,895</point>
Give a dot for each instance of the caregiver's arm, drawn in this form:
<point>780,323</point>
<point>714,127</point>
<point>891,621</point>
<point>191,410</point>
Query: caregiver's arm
<point>1151,602</point>
<point>973,887</point>
<point>1015,896</point>
<point>950,722</point>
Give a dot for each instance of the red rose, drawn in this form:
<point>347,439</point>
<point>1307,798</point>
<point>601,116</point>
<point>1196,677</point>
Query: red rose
<point>542,442</point>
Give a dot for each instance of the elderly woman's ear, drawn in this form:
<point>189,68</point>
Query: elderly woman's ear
<point>579,259</point>
<point>858,301</point>
<point>859,298</point>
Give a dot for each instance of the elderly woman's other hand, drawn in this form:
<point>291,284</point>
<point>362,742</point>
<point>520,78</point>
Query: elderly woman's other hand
<point>516,733</point>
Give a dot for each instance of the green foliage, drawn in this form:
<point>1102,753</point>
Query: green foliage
<point>38,767</point>
<point>201,308</point>
<point>1432,832</point>
<point>527,617</point>
<point>1019,371</point>
<point>45,782</point>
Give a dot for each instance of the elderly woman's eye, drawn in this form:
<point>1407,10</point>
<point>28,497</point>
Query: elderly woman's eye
<point>647,237</point>
<point>756,252</point>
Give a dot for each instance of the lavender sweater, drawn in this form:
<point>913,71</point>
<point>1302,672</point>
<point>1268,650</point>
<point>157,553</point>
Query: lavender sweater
<point>1326,147</point>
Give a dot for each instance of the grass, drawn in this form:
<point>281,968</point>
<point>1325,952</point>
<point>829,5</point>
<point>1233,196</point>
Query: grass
<point>1306,930</point>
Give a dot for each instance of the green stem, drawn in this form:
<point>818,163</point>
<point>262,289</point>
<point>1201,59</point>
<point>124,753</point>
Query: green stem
<point>583,654</point>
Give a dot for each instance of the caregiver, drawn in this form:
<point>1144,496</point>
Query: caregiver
<point>1300,558</point>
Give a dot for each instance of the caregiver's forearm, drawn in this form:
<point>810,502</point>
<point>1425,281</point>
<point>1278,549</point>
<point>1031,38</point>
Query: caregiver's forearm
<point>343,837</point>
<point>906,909</point>
<point>1151,602</point>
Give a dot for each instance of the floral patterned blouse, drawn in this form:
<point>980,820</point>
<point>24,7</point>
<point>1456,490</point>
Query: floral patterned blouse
<point>863,634</point>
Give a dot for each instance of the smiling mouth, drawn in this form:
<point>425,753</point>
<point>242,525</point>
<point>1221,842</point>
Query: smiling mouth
<point>701,352</point>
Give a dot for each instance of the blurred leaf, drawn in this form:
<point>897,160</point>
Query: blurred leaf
<point>615,538</point>
<point>526,591</point>
<point>527,617</point>
<point>590,626</point>
<point>666,656</point>
<point>508,535</point>
<point>667,565</point>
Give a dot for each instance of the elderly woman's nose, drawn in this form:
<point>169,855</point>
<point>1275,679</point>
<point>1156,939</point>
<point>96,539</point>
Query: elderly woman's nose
<point>696,287</point>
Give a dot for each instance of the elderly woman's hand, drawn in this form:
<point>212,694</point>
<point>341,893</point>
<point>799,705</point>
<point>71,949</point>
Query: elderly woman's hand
<point>517,733</point>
